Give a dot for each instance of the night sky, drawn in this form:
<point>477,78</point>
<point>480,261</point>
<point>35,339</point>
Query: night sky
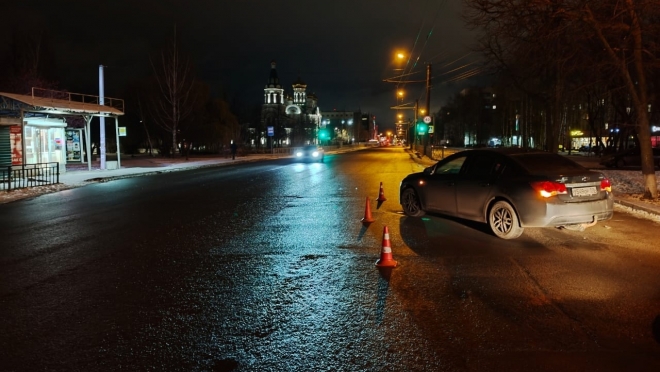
<point>342,49</point>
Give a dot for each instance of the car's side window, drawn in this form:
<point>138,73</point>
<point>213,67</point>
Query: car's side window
<point>451,167</point>
<point>483,166</point>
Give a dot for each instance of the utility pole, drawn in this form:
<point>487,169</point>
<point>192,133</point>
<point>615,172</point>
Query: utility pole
<point>101,118</point>
<point>415,124</point>
<point>428,101</point>
<point>428,89</point>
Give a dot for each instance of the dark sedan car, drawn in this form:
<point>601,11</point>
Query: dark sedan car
<point>510,189</point>
<point>629,157</point>
<point>309,153</point>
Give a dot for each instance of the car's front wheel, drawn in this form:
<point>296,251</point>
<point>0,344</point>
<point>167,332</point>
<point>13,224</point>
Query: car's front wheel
<point>503,220</point>
<point>411,204</point>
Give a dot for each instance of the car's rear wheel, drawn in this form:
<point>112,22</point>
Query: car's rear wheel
<point>503,220</point>
<point>410,203</point>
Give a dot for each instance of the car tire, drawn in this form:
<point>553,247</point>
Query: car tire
<point>411,204</point>
<point>503,221</point>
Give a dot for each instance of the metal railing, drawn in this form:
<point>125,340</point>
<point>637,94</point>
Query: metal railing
<point>29,175</point>
<point>116,103</point>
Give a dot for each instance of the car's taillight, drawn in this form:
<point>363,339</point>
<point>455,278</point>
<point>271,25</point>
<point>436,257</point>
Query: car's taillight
<point>548,188</point>
<point>605,185</point>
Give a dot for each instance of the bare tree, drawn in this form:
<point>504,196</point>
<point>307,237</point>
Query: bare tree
<point>628,32</point>
<point>564,40</point>
<point>175,81</point>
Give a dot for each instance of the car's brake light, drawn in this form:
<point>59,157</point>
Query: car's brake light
<point>548,188</point>
<point>605,185</point>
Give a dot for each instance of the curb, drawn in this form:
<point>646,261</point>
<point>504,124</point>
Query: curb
<point>160,170</point>
<point>637,207</point>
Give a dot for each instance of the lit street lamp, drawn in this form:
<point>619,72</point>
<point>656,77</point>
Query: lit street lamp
<point>342,130</point>
<point>350,124</point>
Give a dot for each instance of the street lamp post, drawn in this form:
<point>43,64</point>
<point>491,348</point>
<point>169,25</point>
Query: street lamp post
<point>350,124</point>
<point>342,131</point>
<point>399,81</point>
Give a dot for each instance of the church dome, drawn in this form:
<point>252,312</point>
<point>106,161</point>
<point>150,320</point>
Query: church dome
<point>299,83</point>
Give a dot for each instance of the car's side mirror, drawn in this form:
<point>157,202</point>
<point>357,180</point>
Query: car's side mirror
<point>429,170</point>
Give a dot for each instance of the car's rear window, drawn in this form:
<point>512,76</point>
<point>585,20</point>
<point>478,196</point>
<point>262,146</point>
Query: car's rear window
<point>546,162</point>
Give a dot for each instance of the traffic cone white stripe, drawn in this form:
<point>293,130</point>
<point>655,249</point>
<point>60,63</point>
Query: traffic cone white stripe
<point>386,251</point>
<point>381,194</point>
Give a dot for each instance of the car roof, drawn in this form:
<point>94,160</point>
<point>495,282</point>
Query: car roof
<point>525,157</point>
<point>506,151</point>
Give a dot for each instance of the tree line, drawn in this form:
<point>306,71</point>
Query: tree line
<point>557,65</point>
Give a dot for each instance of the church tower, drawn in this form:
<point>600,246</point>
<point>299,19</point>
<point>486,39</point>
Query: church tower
<point>299,92</point>
<point>273,93</point>
<point>272,110</point>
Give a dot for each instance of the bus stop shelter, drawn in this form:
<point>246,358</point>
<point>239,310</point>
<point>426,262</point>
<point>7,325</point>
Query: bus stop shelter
<point>48,107</point>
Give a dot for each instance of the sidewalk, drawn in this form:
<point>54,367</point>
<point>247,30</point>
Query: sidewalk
<point>79,174</point>
<point>640,207</point>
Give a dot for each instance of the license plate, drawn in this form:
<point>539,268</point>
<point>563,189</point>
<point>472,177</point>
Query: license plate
<point>585,191</point>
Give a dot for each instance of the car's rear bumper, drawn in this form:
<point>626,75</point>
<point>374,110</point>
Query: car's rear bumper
<point>558,214</point>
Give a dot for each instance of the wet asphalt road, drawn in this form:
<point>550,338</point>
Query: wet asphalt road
<point>266,267</point>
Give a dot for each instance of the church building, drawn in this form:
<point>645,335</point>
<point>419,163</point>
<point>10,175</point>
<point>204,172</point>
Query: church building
<point>289,119</point>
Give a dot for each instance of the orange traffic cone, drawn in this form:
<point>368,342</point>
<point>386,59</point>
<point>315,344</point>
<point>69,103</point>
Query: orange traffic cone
<point>367,214</point>
<point>386,253</point>
<point>381,194</point>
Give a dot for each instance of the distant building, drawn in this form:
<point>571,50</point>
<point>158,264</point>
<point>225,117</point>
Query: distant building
<point>287,119</point>
<point>342,126</point>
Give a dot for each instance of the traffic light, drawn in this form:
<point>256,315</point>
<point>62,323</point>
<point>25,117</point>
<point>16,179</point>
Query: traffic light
<point>422,128</point>
<point>323,134</point>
